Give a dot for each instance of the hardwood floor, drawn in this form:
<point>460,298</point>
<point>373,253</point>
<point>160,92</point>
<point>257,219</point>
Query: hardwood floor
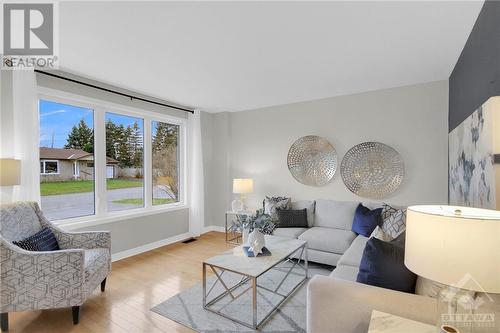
<point>135,285</point>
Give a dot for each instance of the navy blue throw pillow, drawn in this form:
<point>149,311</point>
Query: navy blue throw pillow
<point>382,265</point>
<point>44,240</point>
<point>366,220</point>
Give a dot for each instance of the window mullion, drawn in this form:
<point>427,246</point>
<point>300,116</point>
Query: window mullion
<point>148,164</point>
<point>100,161</point>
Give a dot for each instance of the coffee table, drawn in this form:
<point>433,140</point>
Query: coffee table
<point>252,270</point>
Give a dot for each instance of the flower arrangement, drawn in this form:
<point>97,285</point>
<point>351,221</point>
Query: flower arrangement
<point>260,221</point>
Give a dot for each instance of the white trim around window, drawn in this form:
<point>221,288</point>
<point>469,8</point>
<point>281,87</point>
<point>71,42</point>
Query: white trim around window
<point>45,173</point>
<point>100,108</point>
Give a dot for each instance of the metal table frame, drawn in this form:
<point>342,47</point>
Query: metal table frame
<point>234,237</point>
<point>219,272</point>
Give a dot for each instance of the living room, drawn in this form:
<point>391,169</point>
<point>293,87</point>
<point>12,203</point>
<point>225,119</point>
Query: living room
<point>250,166</point>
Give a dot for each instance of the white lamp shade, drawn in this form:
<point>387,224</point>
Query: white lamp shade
<point>457,246</point>
<point>241,186</point>
<point>10,172</point>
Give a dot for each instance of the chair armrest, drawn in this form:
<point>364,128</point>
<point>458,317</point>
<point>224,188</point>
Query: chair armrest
<point>81,240</point>
<point>76,240</point>
<point>38,279</point>
<point>341,306</point>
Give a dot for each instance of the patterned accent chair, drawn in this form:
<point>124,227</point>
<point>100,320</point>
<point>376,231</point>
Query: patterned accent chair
<point>45,280</point>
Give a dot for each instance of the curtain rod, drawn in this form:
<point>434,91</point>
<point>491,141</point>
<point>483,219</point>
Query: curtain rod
<point>113,91</point>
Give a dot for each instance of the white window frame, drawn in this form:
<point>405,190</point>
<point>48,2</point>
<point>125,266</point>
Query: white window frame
<point>50,173</point>
<point>100,108</point>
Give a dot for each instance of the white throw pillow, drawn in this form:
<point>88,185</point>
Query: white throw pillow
<point>380,234</point>
<point>429,288</point>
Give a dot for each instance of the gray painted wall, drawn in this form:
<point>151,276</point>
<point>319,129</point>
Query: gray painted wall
<point>129,233</point>
<point>476,76</point>
<point>255,144</point>
<point>216,157</point>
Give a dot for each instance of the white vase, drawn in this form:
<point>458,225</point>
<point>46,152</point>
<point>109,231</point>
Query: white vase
<point>256,241</point>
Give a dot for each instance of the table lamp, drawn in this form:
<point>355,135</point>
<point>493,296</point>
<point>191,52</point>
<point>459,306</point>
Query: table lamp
<point>241,186</point>
<point>10,172</point>
<point>456,246</point>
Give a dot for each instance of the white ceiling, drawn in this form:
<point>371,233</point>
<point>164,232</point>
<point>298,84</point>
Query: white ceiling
<point>232,56</point>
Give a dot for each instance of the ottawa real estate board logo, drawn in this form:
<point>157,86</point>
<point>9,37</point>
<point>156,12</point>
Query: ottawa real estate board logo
<point>29,35</point>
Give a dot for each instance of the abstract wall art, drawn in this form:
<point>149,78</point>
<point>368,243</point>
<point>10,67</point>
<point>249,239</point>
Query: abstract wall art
<point>474,177</point>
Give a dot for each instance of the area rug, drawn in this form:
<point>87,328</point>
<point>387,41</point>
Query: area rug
<point>186,308</point>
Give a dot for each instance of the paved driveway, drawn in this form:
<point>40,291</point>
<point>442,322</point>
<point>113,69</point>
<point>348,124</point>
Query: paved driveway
<point>81,204</point>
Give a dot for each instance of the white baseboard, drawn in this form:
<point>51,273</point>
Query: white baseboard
<point>160,243</point>
<point>213,228</point>
<point>150,246</point>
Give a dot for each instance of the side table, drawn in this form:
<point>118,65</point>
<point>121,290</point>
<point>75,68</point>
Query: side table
<point>234,237</point>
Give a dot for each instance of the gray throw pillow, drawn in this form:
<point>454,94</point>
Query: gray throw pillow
<point>272,204</point>
<point>393,220</point>
<point>291,218</point>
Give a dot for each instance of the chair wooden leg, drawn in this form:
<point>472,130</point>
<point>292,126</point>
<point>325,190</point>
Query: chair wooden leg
<point>76,310</point>
<point>5,321</point>
<point>103,285</point>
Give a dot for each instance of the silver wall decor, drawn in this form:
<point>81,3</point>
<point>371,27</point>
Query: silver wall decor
<point>312,160</point>
<point>372,170</point>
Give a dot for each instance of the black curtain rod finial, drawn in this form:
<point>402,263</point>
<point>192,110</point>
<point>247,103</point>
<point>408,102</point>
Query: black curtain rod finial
<point>114,91</point>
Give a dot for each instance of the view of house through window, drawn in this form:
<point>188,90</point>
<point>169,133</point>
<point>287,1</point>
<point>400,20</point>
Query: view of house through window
<point>124,162</point>
<point>165,162</point>
<point>66,147</point>
<point>67,161</point>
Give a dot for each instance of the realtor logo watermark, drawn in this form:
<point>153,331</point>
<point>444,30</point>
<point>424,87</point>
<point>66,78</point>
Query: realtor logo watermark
<point>471,310</point>
<point>29,35</point>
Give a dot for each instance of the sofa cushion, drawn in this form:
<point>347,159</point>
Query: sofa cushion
<point>353,255</point>
<point>292,218</point>
<point>289,232</point>
<point>345,273</point>
<point>383,266</point>
<point>365,220</point>
<point>322,257</point>
<point>328,239</point>
<point>334,214</point>
<point>310,206</point>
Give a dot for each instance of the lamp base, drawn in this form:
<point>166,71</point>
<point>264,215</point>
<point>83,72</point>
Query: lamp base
<point>455,311</point>
<point>237,205</point>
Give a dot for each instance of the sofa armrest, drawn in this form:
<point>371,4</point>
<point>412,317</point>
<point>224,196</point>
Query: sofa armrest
<point>40,280</point>
<point>341,306</point>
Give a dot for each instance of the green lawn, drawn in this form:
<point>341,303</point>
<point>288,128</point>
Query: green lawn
<point>140,201</point>
<point>81,186</point>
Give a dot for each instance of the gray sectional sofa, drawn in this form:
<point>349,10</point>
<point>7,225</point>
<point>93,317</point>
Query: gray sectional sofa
<point>329,234</point>
<point>337,303</point>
